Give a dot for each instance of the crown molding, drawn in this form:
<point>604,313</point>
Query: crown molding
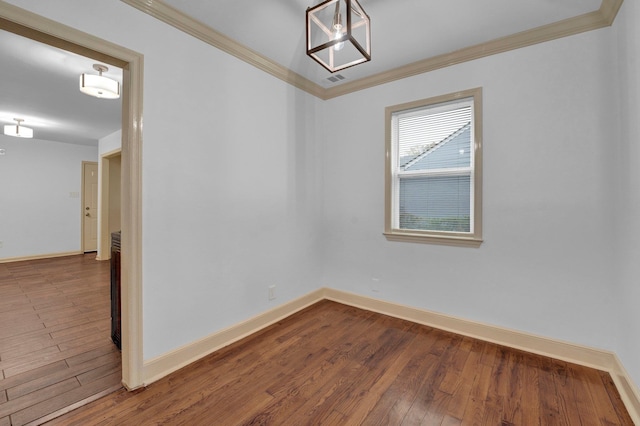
<point>600,18</point>
<point>18,21</point>
<point>165,13</point>
<point>609,10</point>
<point>589,21</point>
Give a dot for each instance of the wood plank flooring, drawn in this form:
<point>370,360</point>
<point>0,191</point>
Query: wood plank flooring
<point>55,344</point>
<point>331,364</point>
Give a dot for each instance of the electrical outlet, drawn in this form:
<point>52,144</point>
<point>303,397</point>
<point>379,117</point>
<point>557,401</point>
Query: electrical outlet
<point>375,285</point>
<point>1,244</point>
<point>272,292</point>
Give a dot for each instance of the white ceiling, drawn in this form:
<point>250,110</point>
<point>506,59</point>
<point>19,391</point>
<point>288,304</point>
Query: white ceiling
<point>40,83</point>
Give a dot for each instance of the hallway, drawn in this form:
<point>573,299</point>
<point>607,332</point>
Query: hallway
<point>55,344</point>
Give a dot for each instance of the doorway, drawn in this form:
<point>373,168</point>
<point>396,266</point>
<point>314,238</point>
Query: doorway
<point>35,27</point>
<point>110,203</point>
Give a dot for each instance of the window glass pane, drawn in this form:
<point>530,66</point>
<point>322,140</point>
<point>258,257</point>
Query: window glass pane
<point>436,203</point>
<point>428,140</point>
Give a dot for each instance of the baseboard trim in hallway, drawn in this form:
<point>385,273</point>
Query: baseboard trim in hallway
<point>39,256</point>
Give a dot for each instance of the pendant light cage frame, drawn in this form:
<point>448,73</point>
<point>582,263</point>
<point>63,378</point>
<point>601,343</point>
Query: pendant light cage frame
<point>338,34</point>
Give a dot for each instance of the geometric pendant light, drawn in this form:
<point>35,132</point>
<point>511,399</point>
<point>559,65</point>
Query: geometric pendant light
<point>338,34</point>
<point>17,130</point>
<point>99,85</point>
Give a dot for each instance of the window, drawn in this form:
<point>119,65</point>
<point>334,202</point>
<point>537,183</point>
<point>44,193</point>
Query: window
<point>434,170</point>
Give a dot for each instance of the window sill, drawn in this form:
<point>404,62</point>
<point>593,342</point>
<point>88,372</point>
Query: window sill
<point>457,241</point>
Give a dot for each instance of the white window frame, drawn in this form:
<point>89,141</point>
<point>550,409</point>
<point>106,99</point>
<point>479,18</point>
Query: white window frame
<point>392,229</point>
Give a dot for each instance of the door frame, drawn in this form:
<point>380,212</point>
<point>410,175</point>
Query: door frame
<point>33,26</point>
<point>104,203</point>
<point>83,204</point>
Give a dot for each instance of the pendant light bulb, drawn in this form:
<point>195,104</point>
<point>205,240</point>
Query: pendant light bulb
<point>337,28</point>
<point>336,36</point>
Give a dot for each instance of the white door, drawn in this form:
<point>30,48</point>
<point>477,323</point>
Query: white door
<point>90,207</point>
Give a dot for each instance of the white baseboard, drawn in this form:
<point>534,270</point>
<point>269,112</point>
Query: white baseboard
<point>570,352</point>
<point>161,366</point>
<point>38,256</point>
<point>582,355</point>
<point>628,390</point>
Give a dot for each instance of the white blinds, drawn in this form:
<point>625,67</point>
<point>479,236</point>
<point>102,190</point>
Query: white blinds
<point>434,168</point>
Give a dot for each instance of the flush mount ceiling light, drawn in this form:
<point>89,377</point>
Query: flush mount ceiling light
<point>99,85</point>
<point>17,130</point>
<point>338,34</point>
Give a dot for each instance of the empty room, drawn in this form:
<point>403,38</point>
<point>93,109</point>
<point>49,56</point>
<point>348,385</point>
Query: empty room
<point>337,212</point>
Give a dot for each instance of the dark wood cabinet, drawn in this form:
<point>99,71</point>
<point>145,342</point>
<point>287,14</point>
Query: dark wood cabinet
<point>116,331</point>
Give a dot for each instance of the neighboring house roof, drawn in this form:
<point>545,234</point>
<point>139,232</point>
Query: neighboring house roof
<point>452,151</point>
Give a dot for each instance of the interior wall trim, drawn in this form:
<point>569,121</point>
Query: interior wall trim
<point>39,256</point>
<point>162,365</point>
<point>589,357</point>
<point>600,18</point>
<point>104,236</point>
<point>629,392</point>
<point>167,14</point>
<point>578,354</point>
<point>165,364</point>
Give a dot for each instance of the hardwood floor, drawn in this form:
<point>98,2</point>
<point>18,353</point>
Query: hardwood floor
<point>331,364</point>
<point>55,344</point>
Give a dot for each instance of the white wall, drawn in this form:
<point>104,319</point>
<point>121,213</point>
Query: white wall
<point>628,205</point>
<point>230,187</point>
<point>230,191</point>
<point>546,264</point>
<point>110,142</point>
<point>40,196</point>
<point>230,208</point>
